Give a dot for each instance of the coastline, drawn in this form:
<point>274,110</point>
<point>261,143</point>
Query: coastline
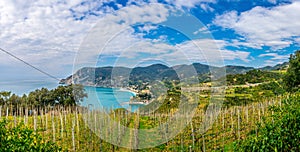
<point>129,90</point>
<point>120,89</point>
<point>110,98</point>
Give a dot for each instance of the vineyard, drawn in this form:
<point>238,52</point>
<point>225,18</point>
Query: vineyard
<point>257,117</point>
<point>77,129</point>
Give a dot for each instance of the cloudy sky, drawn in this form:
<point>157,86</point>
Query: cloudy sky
<point>55,35</point>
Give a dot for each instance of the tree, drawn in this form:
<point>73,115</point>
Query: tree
<point>69,95</point>
<point>78,93</point>
<point>24,100</point>
<point>1,99</point>
<point>41,97</point>
<point>292,76</point>
<point>64,95</point>
<point>14,100</point>
<point>6,95</point>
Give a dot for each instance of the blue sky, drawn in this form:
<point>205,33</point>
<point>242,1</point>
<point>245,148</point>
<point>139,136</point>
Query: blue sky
<point>243,29</point>
<point>61,36</point>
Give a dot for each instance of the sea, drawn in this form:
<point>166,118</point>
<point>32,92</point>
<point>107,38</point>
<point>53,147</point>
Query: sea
<point>20,87</point>
<point>100,98</point>
<point>109,98</point>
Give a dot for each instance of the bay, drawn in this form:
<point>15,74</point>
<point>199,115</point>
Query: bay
<point>108,98</point>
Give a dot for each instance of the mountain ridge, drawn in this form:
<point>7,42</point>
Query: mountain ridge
<point>109,76</point>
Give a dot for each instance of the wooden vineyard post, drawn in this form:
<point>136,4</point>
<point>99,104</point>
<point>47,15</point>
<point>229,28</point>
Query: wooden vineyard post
<point>193,134</point>
<point>17,115</point>
<point>263,109</point>
<point>203,142</point>
<point>20,117</point>
<point>251,121</point>
<point>223,128</point>
<point>15,119</point>
<point>181,141</point>
<point>95,121</point>
<point>136,129</point>
<point>6,113</point>
<point>53,126</point>
<point>231,119</point>
<point>214,132</point>
<point>65,113</point>
<point>20,114</point>
<point>42,120</point>
<point>73,134</point>
<point>272,116</point>
<point>0,111</point>
<point>280,104</point>
<point>101,117</point>
<point>34,120</point>
<point>46,119</point>
<point>42,117</point>
<point>26,115</point>
<point>239,122</point>
<point>253,112</point>
<point>247,115</point>
<point>61,123</point>
<point>259,113</point>
<point>93,128</point>
<point>77,126</point>
<point>119,128</point>
<point>39,115</point>
<point>223,118</point>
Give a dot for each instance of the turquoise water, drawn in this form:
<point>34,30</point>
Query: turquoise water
<point>108,98</point>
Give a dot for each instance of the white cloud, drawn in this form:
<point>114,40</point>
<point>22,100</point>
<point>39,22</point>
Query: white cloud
<point>275,58</point>
<point>272,1</point>
<point>201,30</point>
<point>274,27</point>
<point>113,33</point>
<point>227,20</point>
<point>241,43</point>
<point>46,33</point>
<point>272,62</point>
<point>211,50</point>
<point>206,7</point>
<point>201,50</point>
<point>147,28</point>
<point>207,51</point>
<point>297,40</point>
<point>192,3</point>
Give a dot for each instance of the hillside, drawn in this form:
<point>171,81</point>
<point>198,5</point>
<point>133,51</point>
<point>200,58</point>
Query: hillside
<point>123,76</point>
<point>282,66</point>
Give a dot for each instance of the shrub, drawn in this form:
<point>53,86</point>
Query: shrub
<point>292,76</point>
<point>281,134</point>
<point>22,138</point>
